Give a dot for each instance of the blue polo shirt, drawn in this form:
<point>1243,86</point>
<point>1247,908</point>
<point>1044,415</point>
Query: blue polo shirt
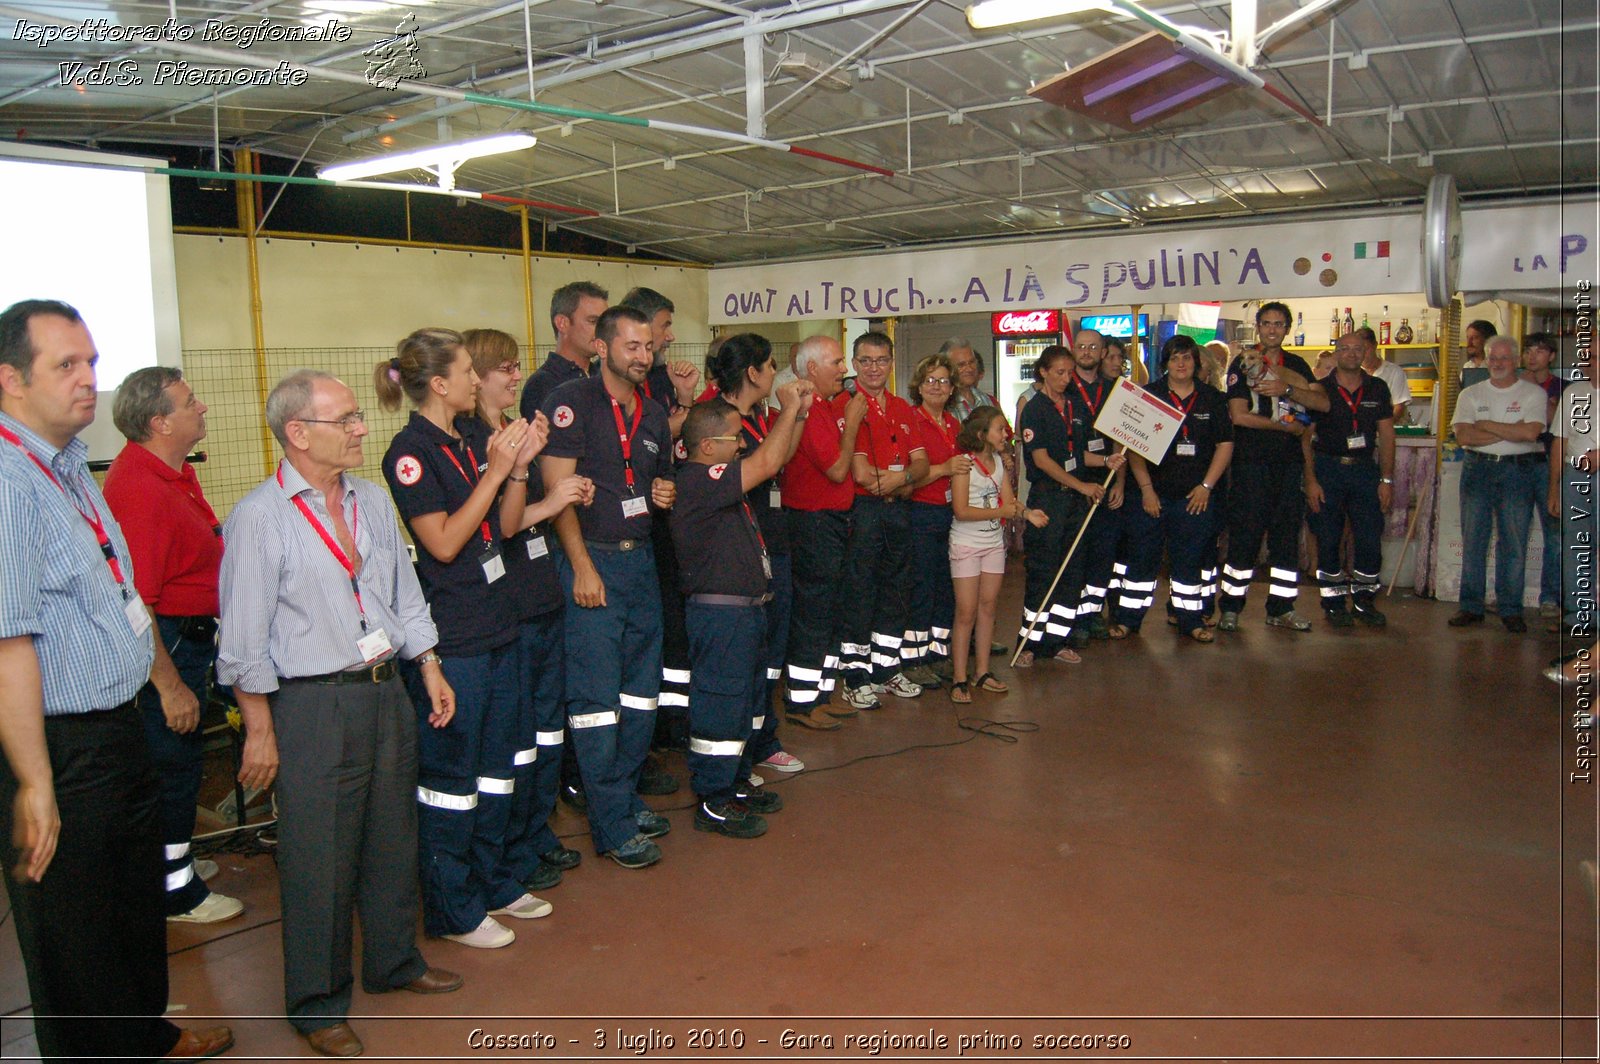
<point>1206,423</point>
<point>583,425</point>
<point>1045,426</point>
<point>1352,413</point>
<point>715,533</point>
<point>555,372</point>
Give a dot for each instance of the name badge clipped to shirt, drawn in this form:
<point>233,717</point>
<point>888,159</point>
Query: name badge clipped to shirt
<point>494,566</point>
<point>1069,465</point>
<point>1097,445</point>
<point>537,547</point>
<point>775,497</point>
<point>1358,442</point>
<point>374,645</point>
<point>766,565</point>
<point>1183,450</point>
<point>948,497</point>
<point>138,616</point>
<point>635,506</point>
<point>897,468</point>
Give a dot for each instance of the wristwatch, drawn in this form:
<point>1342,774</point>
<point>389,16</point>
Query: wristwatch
<point>1203,484</point>
<point>430,658</point>
<point>1385,480</point>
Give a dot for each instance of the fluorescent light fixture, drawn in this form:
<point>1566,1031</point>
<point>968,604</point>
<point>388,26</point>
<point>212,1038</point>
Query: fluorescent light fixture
<point>992,13</point>
<point>440,160</point>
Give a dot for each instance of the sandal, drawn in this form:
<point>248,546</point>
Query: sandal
<point>1024,660</point>
<point>1203,635</point>
<point>1068,656</point>
<point>959,693</point>
<point>987,682</point>
<point>1119,631</point>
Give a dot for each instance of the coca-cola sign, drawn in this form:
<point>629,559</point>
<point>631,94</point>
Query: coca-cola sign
<point>1025,322</point>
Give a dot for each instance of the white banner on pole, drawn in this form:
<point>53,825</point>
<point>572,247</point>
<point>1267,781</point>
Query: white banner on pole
<point>1139,421</point>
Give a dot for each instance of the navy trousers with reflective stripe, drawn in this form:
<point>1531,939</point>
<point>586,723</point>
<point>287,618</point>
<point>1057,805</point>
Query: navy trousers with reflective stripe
<point>764,735</point>
<point>727,652</point>
<point>1189,541</point>
<point>933,595</point>
<point>1266,500</point>
<point>536,765</point>
<point>465,790</point>
<point>613,682</point>
<point>179,760</point>
<point>1349,491</point>
<point>877,562</point>
<point>1044,549</point>
<point>817,539</point>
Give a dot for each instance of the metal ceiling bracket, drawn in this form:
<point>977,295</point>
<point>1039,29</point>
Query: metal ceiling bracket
<point>755,87</point>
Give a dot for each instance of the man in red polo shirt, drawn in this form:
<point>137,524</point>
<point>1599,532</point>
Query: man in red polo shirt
<point>176,545</point>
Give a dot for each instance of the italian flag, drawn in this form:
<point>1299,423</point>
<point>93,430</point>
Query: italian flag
<point>1199,320</point>
<point>1372,249</point>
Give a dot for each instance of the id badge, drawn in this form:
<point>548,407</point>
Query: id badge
<point>766,565</point>
<point>374,645</point>
<point>494,566</point>
<point>1097,445</point>
<point>1357,442</point>
<point>948,498</point>
<point>138,616</point>
<point>1069,465</point>
<point>775,497</point>
<point>1184,450</point>
<point>635,506</point>
<point>537,547</point>
<point>897,468</point>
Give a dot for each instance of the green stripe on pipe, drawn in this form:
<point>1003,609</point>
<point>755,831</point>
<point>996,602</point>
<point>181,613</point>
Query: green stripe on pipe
<point>560,112</point>
<point>227,175</point>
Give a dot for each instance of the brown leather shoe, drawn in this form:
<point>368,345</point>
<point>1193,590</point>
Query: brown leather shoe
<point>434,981</point>
<point>197,1045</point>
<point>336,1041</point>
<point>818,720</point>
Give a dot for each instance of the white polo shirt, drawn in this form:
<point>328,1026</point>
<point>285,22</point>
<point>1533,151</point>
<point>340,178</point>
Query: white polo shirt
<point>1575,419</point>
<point>1518,402</point>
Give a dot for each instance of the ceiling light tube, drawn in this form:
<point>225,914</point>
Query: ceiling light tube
<point>992,13</point>
<point>442,159</point>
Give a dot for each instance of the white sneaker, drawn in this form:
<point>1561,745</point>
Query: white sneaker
<point>205,869</point>
<point>215,909</point>
<point>783,761</point>
<point>861,697</point>
<point>901,687</point>
<point>526,907</point>
<point>491,934</point>
<point>754,780</point>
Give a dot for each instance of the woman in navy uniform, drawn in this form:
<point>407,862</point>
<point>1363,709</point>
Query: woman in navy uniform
<point>536,856</point>
<point>742,371</point>
<point>1176,510</point>
<point>724,571</point>
<point>445,471</point>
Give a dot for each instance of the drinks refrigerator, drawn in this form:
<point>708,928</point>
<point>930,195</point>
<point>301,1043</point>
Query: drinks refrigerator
<point>1019,337</point>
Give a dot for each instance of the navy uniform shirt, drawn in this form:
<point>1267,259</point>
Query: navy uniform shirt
<point>429,471</point>
<point>555,372</point>
<point>583,425</point>
<point>658,386</point>
<point>1045,425</point>
<point>530,567</point>
<point>766,498</point>
<point>1350,426</point>
<point>1264,445</point>
<point>715,533</point>
<point>1084,403</point>
<point>1206,423</point>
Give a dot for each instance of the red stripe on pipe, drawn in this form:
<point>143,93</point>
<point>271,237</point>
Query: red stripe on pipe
<point>584,211</point>
<point>825,157</point>
<point>1291,105</point>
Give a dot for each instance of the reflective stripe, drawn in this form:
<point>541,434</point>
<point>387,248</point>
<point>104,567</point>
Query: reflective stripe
<point>911,653</point>
<point>491,785</point>
<point>177,852</point>
<point>827,685</point>
<point>885,660</point>
<point>1185,589</point>
<point>604,719</point>
<point>939,646</point>
<point>1238,574</point>
<point>1239,590</point>
<point>774,674</point>
<point>1280,591</point>
<point>525,757</point>
<point>1097,592</point>
<point>1054,629</point>
<point>672,698</point>
<point>715,748</point>
<point>1138,585</point>
<point>1357,577</point>
<point>889,642</point>
<point>675,675</point>
<point>548,738</point>
<point>797,672</point>
<point>799,696</point>
<point>860,650</point>
<point>1192,605</point>
<point>460,803</point>
<point>757,722</point>
<point>941,633</point>
<point>1035,636</point>
<point>1135,603</point>
<point>1286,575</point>
<point>180,879</point>
<point>636,702</point>
<point>831,661</point>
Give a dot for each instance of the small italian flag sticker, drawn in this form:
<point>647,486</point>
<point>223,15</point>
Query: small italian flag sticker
<point>1372,249</point>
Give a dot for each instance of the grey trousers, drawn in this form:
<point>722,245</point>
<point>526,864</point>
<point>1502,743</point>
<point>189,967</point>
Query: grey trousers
<point>347,839</point>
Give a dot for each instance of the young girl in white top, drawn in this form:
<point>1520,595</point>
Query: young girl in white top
<point>982,499</point>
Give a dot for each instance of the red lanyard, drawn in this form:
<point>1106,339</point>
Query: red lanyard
<point>644,386</point>
<point>1094,411</point>
<point>472,481</point>
<point>760,429</point>
<point>943,427</point>
<point>987,472</point>
<point>333,544</point>
<point>754,525</point>
<point>626,434</point>
<point>1185,407</point>
<point>1061,409</point>
<point>1354,405</point>
<point>894,439</point>
<point>91,517</point>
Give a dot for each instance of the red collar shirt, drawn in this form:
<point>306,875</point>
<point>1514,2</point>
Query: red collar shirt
<point>805,486</point>
<point>938,439</point>
<point>173,535</point>
<point>887,438</point>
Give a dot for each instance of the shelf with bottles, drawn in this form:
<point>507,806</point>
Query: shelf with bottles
<point>1421,371</point>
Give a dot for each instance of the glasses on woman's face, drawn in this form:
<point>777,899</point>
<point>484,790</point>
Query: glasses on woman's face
<point>508,368</point>
<point>937,382</point>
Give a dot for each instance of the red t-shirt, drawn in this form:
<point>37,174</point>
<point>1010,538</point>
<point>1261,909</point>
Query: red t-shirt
<point>172,533</point>
<point>939,440</point>
<point>805,487</point>
<point>886,438</point>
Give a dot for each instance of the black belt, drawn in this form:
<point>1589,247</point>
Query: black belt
<point>619,545</point>
<point>1350,459</point>
<point>731,600</point>
<point>382,672</point>
<point>198,629</point>
<point>1531,456</point>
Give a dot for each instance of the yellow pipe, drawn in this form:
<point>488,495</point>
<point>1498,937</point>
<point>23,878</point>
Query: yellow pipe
<point>244,203</point>
<point>527,283</point>
<point>1519,321</point>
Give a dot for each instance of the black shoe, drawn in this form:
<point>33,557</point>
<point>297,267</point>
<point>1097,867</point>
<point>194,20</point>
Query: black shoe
<point>759,801</point>
<point>1341,619</point>
<point>1370,617</point>
<point>655,780</point>
<point>543,877</point>
<point>573,795</point>
<point>999,648</point>
<point>562,857</point>
<point>1464,618</point>
<point>637,852</point>
<point>652,825</point>
<point>725,816</point>
<point>1515,624</point>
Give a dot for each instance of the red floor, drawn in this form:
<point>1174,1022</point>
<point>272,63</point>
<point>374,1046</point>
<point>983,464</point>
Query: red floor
<point>1345,844</point>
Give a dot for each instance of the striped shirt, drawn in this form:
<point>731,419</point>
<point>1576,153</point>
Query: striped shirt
<point>55,584</point>
<point>287,606</point>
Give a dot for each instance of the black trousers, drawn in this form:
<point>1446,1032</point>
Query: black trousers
<point>877,577</point>
<point>93,932</point>
<point>816,543</point>
<point>1266,500</point>
<point>1349,491</point>
<point>1052,619</point>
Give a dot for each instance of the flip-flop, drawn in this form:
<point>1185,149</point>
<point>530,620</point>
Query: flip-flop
<point>1068,656</point>
<point>987,682</point>
<point>1203,635</point>
<point>959,693</point>
<point>1119,631</point>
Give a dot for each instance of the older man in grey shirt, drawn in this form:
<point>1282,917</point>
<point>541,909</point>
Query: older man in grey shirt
<point>318,602</point>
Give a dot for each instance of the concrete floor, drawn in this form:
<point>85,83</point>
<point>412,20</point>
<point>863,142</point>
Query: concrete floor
<point>1346,844</point>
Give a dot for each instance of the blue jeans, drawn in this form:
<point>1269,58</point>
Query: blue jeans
<point>1497,497</point>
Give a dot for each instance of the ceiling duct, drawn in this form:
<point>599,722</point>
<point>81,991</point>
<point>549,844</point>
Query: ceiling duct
<point>798,66</point>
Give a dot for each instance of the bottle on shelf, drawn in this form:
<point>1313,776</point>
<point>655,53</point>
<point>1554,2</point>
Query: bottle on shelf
<point>1383,326</point>
<point>1366,322</point>
<point>1425,333</point>
<point>1349,321</point>
<point>1300,330</point>
<point>1333,327</point>
<point>1403,334</point>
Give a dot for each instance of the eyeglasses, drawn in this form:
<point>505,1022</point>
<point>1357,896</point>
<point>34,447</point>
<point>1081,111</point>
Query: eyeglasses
<point>876,363</point>
<point>348,423</point>
<point>942,382</point>
<point>728,439</point>
<point>508,368</point>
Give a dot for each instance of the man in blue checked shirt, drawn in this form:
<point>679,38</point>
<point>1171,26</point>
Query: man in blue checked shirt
<point>78,794</point>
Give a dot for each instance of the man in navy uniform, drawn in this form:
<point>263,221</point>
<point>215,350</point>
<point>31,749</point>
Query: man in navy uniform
<point>574,310</point>
<point>606,429</point>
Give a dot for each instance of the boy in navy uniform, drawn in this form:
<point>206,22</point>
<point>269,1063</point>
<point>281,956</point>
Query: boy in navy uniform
<point>1350,473</point>
<point>604,428</point>
<point>725,573</point>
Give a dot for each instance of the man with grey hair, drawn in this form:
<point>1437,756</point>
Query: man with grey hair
<point>176,544</point>
<point>319,603</point>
